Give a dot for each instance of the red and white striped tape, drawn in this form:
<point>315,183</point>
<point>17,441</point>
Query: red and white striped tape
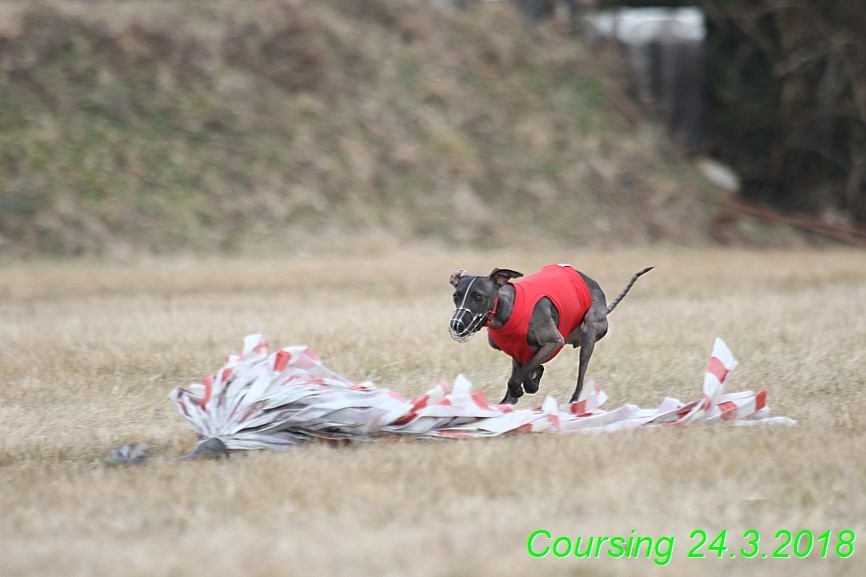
<point>262,399</point>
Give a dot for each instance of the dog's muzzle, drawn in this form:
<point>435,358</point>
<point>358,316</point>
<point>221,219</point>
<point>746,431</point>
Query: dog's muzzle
<point>461,329</point>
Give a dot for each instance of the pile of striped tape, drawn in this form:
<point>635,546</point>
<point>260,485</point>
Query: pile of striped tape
<point>264,399</point>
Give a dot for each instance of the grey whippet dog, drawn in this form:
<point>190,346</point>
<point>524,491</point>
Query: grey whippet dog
<point>489,301</point>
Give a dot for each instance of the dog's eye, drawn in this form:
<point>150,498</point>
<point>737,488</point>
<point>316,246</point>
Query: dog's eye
<point>477,298</point>
<point>456,298</point>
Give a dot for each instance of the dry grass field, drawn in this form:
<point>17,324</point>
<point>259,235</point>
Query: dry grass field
<point>92,349</point>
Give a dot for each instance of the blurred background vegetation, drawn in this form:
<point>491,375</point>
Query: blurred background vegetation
<point>150,126</point>
<point>787,82</point>
<point>785,92</point>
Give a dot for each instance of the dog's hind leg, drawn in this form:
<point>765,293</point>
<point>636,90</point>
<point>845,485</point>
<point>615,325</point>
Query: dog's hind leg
<point>585,354</point>
<point>592,329</point>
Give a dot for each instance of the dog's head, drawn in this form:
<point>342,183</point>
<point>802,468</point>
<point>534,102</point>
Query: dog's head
<point>475,300</point>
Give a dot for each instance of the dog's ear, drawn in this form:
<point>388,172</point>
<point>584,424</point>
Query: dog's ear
<point>500,276</point>
<point>457,275</point>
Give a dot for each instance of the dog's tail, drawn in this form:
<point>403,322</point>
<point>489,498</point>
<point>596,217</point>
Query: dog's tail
<point>624,292</point>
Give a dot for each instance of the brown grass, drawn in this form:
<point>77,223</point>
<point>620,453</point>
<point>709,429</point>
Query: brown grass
<point>91,351</point>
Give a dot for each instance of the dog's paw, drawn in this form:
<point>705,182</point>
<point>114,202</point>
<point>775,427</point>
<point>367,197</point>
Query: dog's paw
<point>515,390</point>
<point>533,381</point>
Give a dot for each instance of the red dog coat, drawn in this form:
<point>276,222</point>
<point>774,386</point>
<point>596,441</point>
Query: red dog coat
<point>564,287</point>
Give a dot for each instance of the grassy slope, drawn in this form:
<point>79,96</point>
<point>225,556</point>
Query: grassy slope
<point>92,350</point>
<point>166,126</point>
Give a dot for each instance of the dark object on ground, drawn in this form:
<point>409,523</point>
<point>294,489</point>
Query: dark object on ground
<point>212,448</point>
<point>130,454</point>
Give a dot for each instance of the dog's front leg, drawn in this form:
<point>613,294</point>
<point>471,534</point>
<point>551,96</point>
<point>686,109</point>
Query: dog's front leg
<point>533,381</point>
<point>529,384</point>
<point>528,376</point>
<point>544,338</point>
<point>515,388</point>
